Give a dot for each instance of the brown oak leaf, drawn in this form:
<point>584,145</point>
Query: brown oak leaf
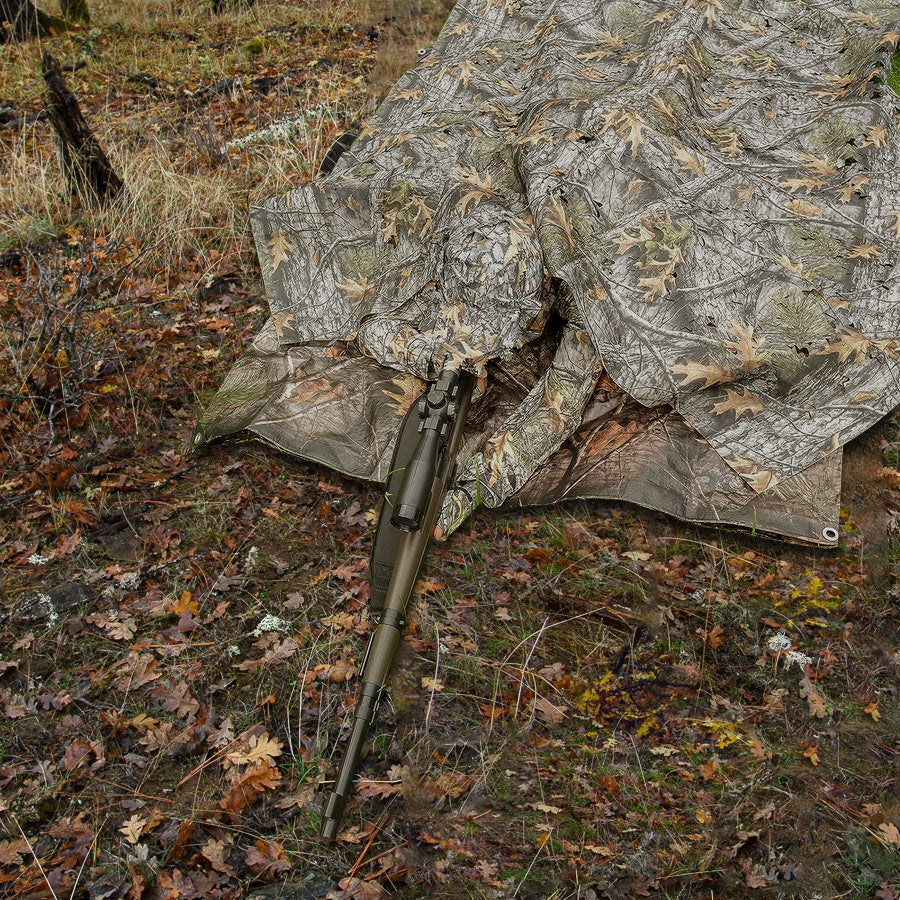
<point>259,748</point>
<point>280,248</point>
<point>11,852</point>
<point>77,755</point>
<point>248,788</point>
<point>267,859</point>
<point>176,697</point>
<point>738,402</point>
<point>360,890</point>
<point>366,787</point>
<point>817,705</point>
<point>216,854</point>
<point>133,828</point>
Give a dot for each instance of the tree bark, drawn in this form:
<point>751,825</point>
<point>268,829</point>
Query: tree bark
<point>21,19</point>
<point>84,164</point>
<point>75,11</point>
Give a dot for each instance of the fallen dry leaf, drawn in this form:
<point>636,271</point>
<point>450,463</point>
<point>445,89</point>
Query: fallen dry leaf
<point>817,705</point>
<point>248,787</point>
<point>356,889</point>
<point>267,859</point>
<point>11,852</point>
<point>872,710</point>
<point>366,787</point>
<point>134,828</point>
<point>890,833</point>
<point>216,854</point>
<point>175,696</point>
<point>259,748</point>
<point>546,808</point>
<point>547,711</point>
<point>713,637</point>
<point>77,754</point>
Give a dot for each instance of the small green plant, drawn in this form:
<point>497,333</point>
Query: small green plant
<point>893,78</point>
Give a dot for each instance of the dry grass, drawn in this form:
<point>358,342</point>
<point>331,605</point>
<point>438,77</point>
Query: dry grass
<point>186,198</point>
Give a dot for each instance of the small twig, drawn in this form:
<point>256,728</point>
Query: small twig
<point>531,865</point>
<point>217,755</point>
<point>133,793</point>
<point>437,665</point>
<point>628,648</point>
<point>87,853</point>
<point>300,705</point>
<point>378,856</point>
<point>128,387</point>
<point>362,854</point>
<point>537,640</point>
<point>31,851</point>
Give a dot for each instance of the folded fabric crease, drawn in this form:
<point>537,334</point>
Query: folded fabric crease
<point>704,197</point>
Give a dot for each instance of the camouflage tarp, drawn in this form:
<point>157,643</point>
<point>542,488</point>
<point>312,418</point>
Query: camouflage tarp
<point>670,230</point>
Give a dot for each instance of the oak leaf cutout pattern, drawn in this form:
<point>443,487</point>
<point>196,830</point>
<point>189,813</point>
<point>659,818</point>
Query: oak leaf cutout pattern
<point>804,208</point>
<point>709,373</point>
<point>280,248</point>
<point>356,289</point>
<point>689,160</point>
<point>745,346</point>
<point>738,402</point>
<point>409,389</point>
<point>805,182</point>
<point>853,186</point>
<point>851,345</point>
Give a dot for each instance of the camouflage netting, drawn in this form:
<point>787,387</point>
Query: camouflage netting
<point>669,232</point>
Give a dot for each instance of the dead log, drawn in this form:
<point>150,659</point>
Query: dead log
<point>84,164</point>
<point>21,20</point>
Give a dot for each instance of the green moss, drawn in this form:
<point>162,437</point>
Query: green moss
<point>255,45</point>
<point>893,78</point>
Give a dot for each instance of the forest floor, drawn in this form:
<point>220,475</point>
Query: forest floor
<point>591,700</point>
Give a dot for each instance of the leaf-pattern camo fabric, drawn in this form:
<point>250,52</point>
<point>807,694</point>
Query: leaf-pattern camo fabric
<point>708,191</point>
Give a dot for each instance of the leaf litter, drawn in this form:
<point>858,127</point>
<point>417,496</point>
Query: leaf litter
<point>623,705</point>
